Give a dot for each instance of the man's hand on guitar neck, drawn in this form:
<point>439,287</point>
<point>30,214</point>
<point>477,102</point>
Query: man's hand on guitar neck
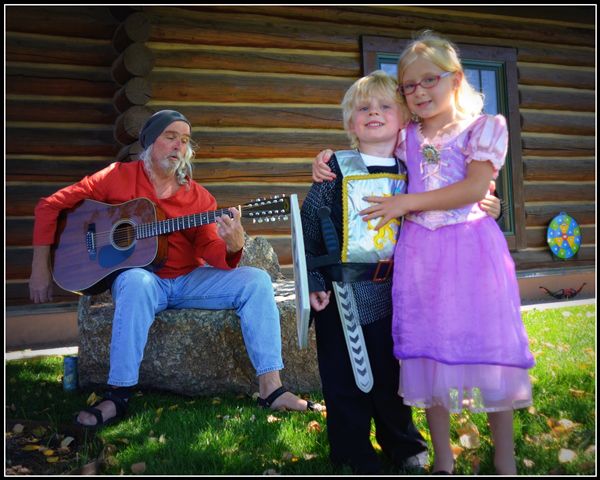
<point>231,231</point>
<point>40,282</point>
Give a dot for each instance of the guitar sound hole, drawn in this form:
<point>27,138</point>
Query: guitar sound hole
<point>123,236</point>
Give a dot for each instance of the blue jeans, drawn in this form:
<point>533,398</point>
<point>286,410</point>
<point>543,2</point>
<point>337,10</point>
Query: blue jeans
<point>139,295</point>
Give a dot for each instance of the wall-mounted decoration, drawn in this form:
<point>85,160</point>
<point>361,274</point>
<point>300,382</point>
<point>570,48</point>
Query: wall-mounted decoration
<point>564,236</point>
<point>564,293</point>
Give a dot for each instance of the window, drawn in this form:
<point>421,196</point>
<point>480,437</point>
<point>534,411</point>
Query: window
<point>493,71</point>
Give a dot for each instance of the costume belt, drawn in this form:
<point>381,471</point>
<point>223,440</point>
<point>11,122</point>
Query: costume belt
<point>359,272</point>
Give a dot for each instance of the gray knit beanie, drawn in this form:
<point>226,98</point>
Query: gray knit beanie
<point>156,124</point>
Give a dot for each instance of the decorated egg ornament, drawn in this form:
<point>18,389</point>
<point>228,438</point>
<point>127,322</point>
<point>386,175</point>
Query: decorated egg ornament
<point>564,236</point>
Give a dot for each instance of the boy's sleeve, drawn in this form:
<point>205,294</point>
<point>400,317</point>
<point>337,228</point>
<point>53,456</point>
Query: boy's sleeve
<point>319,195</point>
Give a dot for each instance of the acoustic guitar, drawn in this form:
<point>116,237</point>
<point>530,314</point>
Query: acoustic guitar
<point>96,241</point>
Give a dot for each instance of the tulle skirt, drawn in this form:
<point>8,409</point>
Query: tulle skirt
<point>425,383</point>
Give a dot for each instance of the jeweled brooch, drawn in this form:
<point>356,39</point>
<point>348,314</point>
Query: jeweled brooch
<point>431,154</point>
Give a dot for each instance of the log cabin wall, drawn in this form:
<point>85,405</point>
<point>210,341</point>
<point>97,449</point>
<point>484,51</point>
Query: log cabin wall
<point>262,88</point>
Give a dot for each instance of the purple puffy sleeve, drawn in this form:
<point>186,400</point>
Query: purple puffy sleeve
<point>488,141</point>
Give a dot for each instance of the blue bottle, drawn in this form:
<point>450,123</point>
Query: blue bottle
<point>70,374</point>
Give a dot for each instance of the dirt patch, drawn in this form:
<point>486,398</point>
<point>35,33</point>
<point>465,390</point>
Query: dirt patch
<point>39,448</point>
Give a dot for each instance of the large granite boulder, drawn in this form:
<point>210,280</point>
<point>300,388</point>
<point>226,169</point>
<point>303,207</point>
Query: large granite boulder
<point>200,352</point>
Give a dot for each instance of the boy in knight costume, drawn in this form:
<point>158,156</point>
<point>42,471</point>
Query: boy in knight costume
<point>359,373</point>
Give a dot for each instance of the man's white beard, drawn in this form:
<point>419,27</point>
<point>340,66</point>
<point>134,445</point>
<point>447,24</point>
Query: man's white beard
<point>168,167</point>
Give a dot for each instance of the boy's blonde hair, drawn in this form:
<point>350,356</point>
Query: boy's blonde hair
<point>444,54</point>
<point>377,83</point>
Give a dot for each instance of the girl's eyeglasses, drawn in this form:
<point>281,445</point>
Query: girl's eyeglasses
<point>427,82</point>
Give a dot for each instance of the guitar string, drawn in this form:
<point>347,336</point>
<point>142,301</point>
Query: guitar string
<point>153,227</point>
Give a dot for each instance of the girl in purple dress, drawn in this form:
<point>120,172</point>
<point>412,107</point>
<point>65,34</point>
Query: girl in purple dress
<point>457,326</point>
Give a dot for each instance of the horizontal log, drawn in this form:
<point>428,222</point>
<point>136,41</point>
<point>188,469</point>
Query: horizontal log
<point>266,144</point>
<point>557,55</point>
<point>136,60</point>
<point>176,25</point>
<point>17,293</point>
<point>47,109</point>
<point>136,91</point>
<point>555,122</point>
<point>537,260</point>
<point>569,170</point>
<point>537,237</point>
<point>33,79</point>
<point>257,61</point>
<point>557,192</point>
<point>570,77</point>
<point>546,98</point>
<point>22,198</point>
<point>68,21</point>
<point>252,171</point>
<point>541,215</point>
<point>130,122</point>
<point>134,29</point>
<point>416,18</point>
<point>19,231</point>
<point>181,85</point>
<point>22,47</point>
<point>259,115</point>
<point>78,140</point>
<point>570,145</point>
<point>18,265</point>
<point>52,169</point>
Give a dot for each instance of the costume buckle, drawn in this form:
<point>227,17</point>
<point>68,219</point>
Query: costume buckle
<point>387,270</point>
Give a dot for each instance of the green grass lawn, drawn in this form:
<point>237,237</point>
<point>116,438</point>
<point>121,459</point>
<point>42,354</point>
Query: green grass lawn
<point>170,434</point>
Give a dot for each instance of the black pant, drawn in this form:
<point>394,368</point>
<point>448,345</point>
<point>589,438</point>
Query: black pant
<point>349,410</point>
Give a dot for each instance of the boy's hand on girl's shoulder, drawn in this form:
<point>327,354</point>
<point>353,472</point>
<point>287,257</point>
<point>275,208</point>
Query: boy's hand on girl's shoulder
<point>320,170</point>
<point>319,300</point>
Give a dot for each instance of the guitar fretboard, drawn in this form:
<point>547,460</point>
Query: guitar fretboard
<point>169,225</point>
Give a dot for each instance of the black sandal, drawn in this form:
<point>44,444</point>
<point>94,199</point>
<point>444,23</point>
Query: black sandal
<point>267,402</point>
<point>120,405</point>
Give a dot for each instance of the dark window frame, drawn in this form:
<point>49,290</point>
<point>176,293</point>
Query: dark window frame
<point>372,47</point>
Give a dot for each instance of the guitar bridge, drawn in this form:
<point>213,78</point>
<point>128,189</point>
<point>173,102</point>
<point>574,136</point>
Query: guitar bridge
<point>90,241</point>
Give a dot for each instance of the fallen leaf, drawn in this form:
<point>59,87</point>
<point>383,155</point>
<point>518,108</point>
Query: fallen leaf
<point>138,468</point>
<point>532,410</point>
<point>48,452</point>
<point>52,459</point>
<point>162,439</point>
<point>173,407</point>
<point>272,418</point>
<point>30,448</point>
<point>591,450</point>
<point>578,393</point>
<point>18,428</point>
<point>66,441</point>
<point>566,456</point>
<point>216,401</point>
<point>309,456</point>
<point>528,463</point>
<point>314,426</point>
<point>93,398</point>
<point>469,435</point>
<point>456,450</point>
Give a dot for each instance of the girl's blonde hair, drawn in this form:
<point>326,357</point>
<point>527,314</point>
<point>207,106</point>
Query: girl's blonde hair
<point>444,54</point>
<point>377,83</point>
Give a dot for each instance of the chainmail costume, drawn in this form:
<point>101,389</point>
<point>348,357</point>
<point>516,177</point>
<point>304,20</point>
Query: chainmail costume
<point>373,299</point>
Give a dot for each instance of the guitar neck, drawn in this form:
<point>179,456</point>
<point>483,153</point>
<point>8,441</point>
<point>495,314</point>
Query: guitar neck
<point>176,224</point>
